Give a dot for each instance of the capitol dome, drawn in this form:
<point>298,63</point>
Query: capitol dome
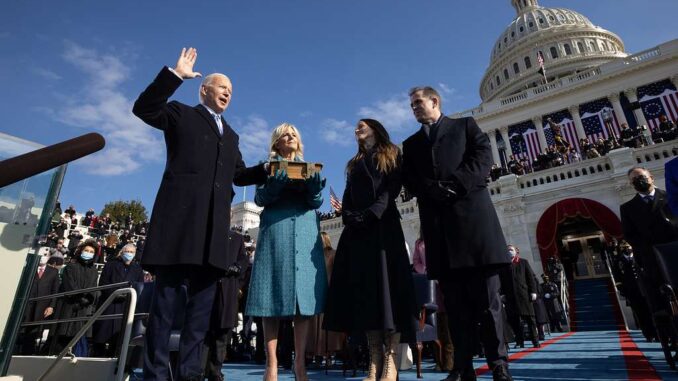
<point>567,40</point>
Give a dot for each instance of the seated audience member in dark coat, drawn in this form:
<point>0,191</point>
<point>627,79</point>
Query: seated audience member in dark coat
<point>79,274</point>
<point>520,307</point>
<point>120,268</point>
<point>648,221</point>
<point>45,282</point>
<point>225,311</point>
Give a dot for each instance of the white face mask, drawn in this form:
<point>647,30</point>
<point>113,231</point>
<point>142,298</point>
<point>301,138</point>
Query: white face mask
<point>43,260</point>
<point>513,253</point>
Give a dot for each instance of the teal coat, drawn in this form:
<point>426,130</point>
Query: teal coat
<point>289,264</point>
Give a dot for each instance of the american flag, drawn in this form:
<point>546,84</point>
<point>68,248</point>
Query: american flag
<point>542,68</point>
<point>524,141</point>
<point>334,200</point>
<point>567,128</point>
<point>656,99</point>
<point>593,118</point>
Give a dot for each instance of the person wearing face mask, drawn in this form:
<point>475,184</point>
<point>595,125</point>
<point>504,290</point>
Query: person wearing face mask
<point>79,274</point>
<point>45,282</point>
<point>628,286</point>
<point>121,268</point>
<point>647,220</point>
<point>372,288</point>
<point>519,306</point>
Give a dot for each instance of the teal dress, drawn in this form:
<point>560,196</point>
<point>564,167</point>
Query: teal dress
<point>288,274</point>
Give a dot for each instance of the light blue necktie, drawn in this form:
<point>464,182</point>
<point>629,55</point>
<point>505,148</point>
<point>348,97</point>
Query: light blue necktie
<point>217,118</point>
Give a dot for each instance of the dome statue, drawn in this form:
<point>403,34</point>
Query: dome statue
<point>567,41</point>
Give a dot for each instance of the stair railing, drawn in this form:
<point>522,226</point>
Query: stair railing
<point>616,290</point>
<point>565,298</point>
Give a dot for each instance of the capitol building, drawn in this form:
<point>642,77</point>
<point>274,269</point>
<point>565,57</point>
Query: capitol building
<point>590,86</point>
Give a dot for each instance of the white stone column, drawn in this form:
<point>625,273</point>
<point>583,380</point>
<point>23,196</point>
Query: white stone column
<point>507,142</point>
<point>578,125</point>
<point>538,123</point>
<point>492,135</point>
<point>618,110</point>
<point>633,97</point>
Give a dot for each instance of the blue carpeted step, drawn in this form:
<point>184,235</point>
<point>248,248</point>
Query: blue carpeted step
<point>594,309</point>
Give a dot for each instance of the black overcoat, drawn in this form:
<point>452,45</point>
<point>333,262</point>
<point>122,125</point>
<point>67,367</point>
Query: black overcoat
<point>191,214</point>
<point>115,271</point>
<point>551,296</point>
<point>646,225</point>
<point>466,232</point>
<point>77,276</point>
<point>47,285</point>
<point>225,310</point>
<point>371,288</point>
<point>524,284</point>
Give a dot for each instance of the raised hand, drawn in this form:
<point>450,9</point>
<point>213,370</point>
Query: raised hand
<point>185,63</point>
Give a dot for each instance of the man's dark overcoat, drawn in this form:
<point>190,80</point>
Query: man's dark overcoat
<point>466,232</point>
<point>225,310</point>
<point>47,285</point>
<point>191,214</point>
<point>524,284</point>
<point>646,225</point>
<point>115,271</point>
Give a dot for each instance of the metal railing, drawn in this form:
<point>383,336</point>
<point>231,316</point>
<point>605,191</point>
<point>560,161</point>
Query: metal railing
<point>565,298</point>
<point>89,321</point>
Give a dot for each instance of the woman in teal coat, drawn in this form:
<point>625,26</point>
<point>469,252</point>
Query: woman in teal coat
<point>288,276</point>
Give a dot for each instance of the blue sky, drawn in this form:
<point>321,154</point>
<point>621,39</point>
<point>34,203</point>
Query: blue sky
<point>72,67</point>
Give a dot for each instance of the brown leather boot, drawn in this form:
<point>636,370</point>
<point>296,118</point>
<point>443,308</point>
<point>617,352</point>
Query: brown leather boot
<point>391,341</point>
<point>375,342</point>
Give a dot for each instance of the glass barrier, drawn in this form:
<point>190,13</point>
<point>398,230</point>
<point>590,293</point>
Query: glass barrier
<point>26,209</point>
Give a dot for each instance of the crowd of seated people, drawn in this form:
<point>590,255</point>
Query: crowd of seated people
<point>563,152</point>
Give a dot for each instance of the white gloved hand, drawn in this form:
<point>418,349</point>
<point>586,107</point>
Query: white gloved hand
<point>547,295</point>
<point>533,296</point>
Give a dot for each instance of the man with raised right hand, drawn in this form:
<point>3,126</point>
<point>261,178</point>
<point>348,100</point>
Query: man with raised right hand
<point>186,245</point>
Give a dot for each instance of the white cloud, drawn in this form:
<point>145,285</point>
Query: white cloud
<point>446,89</point>
<point>46,73</point>
<point>338,132</point>
<point>394,113</point>
<point>101,106</point>
<point>255,136</point>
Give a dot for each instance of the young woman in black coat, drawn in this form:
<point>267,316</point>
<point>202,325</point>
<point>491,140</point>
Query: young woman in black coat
<point>79,274</point>
<point>372,288</point>
<point>120,268</point>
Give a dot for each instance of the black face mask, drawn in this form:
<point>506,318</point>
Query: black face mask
<point>641,184</point>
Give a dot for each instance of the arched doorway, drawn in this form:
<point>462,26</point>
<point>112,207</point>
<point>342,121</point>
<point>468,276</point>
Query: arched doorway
<point>575,230</point>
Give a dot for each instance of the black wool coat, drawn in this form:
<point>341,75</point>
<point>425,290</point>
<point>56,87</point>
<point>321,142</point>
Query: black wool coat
<point>466,232</point>
<point>372,286</point>
<point>524,284</point>
<point>47,285</point>
<point>77,276</point>
<point>115,271</point>
<point>225,310</point>
<point>191,214</point>
<point>645,225</point>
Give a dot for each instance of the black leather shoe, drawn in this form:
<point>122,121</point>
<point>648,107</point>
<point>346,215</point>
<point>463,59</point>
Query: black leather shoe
<point>458,375</point>
<point>501,373</point>
<point>536,344</point>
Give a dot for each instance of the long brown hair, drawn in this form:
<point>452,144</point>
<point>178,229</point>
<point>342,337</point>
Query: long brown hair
<point>386,152</point>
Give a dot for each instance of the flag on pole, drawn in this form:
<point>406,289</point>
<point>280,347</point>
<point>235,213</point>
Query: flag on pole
<point>542,68</point>
<point>334,200</point>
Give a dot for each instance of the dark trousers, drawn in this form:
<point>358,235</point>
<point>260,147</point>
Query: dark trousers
<point>472,298</point>
<point>200,282</point>
<point>216,344</point>
<point>516,322</point>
